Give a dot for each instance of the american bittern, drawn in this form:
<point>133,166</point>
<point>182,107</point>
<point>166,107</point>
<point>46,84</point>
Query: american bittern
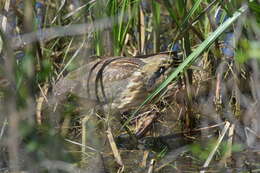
<point>116,83</point>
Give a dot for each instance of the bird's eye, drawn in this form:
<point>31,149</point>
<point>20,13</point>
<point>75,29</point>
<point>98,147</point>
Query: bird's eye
<point>161,70</point>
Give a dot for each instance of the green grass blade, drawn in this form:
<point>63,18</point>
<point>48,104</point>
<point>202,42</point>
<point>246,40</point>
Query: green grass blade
<point>121,19</point>
<point>191,12</point>
<point>169,8</point>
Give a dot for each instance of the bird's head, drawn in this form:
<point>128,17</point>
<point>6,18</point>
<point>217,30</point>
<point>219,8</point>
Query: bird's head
<point>156,69</point>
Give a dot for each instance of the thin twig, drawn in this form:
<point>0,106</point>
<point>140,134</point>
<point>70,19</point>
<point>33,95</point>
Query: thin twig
<point>206,164</point>
<point>145,156</point>
<point>71,59</point>
<point>4,20</point>
<point>142,31</point>
<point>151,166</point>
<point>229,144</point>
<point>79,144</point>
<point>3,128</point>
<point>47,34</point>
<point>39,102</point>
<point>114,147</point>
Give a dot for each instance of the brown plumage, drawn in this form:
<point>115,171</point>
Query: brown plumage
<point>116,83</point>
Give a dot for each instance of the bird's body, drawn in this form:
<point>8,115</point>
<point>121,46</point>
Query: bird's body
<point>116,83</point>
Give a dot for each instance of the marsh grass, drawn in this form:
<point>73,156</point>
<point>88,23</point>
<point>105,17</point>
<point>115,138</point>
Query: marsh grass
<point>217,81</point>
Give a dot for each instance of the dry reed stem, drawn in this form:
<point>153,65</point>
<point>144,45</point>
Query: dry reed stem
<point>151,166</point>
<point>223,132</point>
<point>145,156</point>
<point>39,102</point>
<point>114,147</point>
<point>229,145</point>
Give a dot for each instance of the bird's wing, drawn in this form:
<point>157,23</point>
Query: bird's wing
<point>107,77</point>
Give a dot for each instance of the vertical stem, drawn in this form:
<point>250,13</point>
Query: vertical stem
<point>84,139</point>
<point>10,110</point>
<point>141,31</point>
<point>156,20</point>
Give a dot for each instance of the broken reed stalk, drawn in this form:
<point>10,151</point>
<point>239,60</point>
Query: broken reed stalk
<point>220,138</point>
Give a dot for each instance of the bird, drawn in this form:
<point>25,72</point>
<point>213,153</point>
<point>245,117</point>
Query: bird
<point>116,83</point>
<point>112,85</point>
